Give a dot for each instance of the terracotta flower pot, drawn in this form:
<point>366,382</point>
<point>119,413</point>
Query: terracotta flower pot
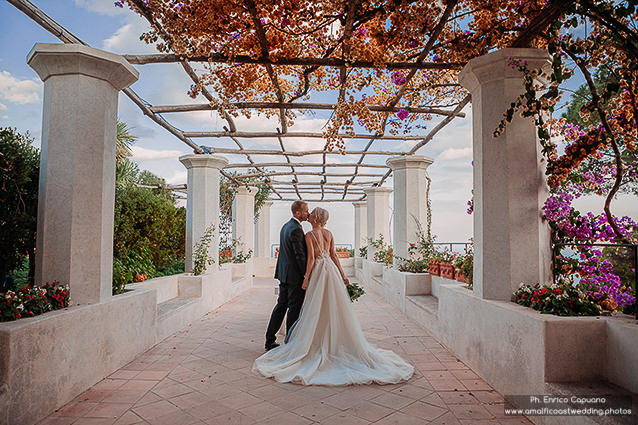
<point>434,268</point>
<point>460,277</point>
<point>447,270</point>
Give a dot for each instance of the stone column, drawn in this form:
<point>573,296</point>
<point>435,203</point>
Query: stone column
<point>378,215</point>
<point>410,202</point>
<point>512,242</point>
<point>202,205</point>
<point>360,226</point>
<point>244,218</point>
<point>262,234</point>
<point>77,166</point>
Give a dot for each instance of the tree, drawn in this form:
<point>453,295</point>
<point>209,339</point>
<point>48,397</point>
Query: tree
<point>124,140</point>
<point>19,180</point>
<point>601,167</point>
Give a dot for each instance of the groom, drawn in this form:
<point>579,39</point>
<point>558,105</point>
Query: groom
<point>290,270</point>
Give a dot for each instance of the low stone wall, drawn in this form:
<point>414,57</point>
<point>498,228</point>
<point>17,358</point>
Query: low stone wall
<point>515,349</point>
<point>48,360</point>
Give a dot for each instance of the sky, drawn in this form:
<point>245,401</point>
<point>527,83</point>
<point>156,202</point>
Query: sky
<point>103,26</point>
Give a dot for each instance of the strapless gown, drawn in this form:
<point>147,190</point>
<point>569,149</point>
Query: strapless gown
<point>326,345</point>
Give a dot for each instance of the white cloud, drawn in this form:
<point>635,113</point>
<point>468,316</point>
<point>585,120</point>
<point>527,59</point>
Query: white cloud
<point>178,177</point>
<point>104,7</point>
<point>143,154</point>
<point>3,107</point>
<point>19,91</point>
<point>5,117</point>
<point>452,154</point>
<point>126,39</point>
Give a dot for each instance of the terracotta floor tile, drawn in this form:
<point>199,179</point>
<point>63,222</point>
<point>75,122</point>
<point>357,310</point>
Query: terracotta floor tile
<point>153,410</point>
<point>76,409</point>
<point>203,375</point>
<point>169,389</point>
<point>124,374</point>
<point>125,396</point>
<point>189,400</point>
<point>93,395</point>
<point>392,401</point>
<point>316,411</point>
<point>57,420</point>
<point>464,411</point>
<point>424,411</point>
<point>152,375</point>
<point>175,418</point>
<point>129,418</point>
<point>344,418</point>
<point>240,400</point>
<point>370,411</point>
<point>286,418</point>
<point>138,385</point>
<point>400,418</point>
<point>208,410</point>
<point>290,401</point>
<point>233,417</point>
<point>108,410</point>
<point>109,384</point>
<point>95,421</point>
<point>262,410</point>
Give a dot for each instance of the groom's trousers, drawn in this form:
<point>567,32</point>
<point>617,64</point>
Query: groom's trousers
<point>291,298</point>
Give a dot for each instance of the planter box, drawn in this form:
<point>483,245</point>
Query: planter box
<point>447,270</point>
<point>434,269</point>
<point>343,254</point>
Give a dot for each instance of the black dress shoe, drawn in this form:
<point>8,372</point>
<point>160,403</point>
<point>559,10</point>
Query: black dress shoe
<point>271,346</point>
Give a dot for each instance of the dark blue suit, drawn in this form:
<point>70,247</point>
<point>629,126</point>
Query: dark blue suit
<point>290,270</point>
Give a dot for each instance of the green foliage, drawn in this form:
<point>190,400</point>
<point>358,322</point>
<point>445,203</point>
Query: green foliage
<point>124,140</point>
<point>127,268</point>
<point>19,180</point>
<point>560,299</point>
<point>177,267</point>
<point>29,301</point>
<point>201,257</point>
<point>465,263</point>
<point>383,252</point>
<point>227,191</point>
<point>147,219</point>
<point>363,251</point>
<point>355,291</point>
<point>605,82</point>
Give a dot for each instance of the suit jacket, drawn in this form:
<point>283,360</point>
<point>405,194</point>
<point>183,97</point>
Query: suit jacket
<point>291,261</point>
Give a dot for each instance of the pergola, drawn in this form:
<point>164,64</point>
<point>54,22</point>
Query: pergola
<point>75,219</point>
<point>336,175</point>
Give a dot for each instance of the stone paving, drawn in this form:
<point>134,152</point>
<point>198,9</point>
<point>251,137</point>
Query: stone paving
<point>203,375</point>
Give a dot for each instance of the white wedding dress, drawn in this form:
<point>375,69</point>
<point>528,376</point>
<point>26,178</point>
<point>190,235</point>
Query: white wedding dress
<point>326,345</point>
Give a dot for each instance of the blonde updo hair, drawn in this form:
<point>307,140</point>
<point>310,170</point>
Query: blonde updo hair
<point>321,216</point>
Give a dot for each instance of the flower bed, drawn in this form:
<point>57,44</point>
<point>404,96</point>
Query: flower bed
<point>29,301</point>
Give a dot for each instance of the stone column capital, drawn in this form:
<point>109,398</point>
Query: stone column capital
<point>496,66</point>
<point>243,190</point>
<point>409,161</point>
<point>360,204</point>
<point>68,59</point>
<point>373,191</point>
<point>267,204</point>
<point>203,161</point>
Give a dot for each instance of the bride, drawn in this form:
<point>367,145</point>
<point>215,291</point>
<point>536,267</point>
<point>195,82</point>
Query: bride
<point>326,345</point>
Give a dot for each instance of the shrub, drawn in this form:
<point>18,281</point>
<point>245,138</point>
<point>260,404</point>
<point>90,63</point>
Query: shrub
<point>29,301</point>
<point>559,299</point>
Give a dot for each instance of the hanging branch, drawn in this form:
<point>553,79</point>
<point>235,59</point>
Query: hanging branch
<point>609,135</point>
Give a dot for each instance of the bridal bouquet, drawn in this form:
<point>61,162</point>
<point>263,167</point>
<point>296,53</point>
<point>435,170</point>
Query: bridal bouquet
<point>355,291</point>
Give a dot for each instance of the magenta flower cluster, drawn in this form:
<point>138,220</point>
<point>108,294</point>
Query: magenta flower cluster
<point>568,225</point>
<point>398,78</point>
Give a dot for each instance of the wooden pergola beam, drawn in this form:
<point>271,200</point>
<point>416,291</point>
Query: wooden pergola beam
<point>304,164</point>
<point>275,105</point>
<point>264,134</point>
<point>329,62</point>
<point>304,153</point>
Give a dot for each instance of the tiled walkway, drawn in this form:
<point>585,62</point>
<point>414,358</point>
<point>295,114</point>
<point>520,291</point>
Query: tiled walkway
<point>203,375</point>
